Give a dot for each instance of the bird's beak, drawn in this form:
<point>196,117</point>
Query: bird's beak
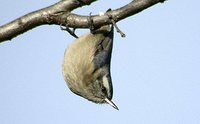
<point>111,103</point>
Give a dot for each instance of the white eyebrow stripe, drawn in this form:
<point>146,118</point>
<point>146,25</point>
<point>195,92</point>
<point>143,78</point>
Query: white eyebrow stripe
<point>106,84</point>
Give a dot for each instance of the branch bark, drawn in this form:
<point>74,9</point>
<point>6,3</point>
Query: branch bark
<point>60,14</point>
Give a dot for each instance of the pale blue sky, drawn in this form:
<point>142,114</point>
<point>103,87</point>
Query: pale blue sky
<point>155,69</point>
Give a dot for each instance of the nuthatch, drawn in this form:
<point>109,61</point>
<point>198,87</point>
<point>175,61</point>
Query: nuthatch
<point>86,67</point>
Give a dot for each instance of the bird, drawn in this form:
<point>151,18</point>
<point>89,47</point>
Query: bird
<point>86,66</point>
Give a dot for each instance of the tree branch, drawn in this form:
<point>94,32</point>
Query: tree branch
<point>60,14</point>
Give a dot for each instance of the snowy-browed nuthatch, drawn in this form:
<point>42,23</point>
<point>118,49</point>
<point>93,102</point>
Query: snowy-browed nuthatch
<point>86,67</point>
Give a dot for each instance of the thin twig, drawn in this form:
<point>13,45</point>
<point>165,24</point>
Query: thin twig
<point>72,32</point>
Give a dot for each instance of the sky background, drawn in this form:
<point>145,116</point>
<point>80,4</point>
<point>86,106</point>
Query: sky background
<point>155,69</point>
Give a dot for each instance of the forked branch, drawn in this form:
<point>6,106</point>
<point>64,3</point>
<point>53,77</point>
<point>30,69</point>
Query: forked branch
<point>60,14</point>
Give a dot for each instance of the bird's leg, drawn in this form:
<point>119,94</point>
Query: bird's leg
<point>91,23</point>
<point>114,23</point>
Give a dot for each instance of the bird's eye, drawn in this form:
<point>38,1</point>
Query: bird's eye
<point>103,89</point>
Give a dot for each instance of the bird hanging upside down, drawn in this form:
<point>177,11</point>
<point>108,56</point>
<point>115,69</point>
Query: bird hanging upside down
<point>86,67</point>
